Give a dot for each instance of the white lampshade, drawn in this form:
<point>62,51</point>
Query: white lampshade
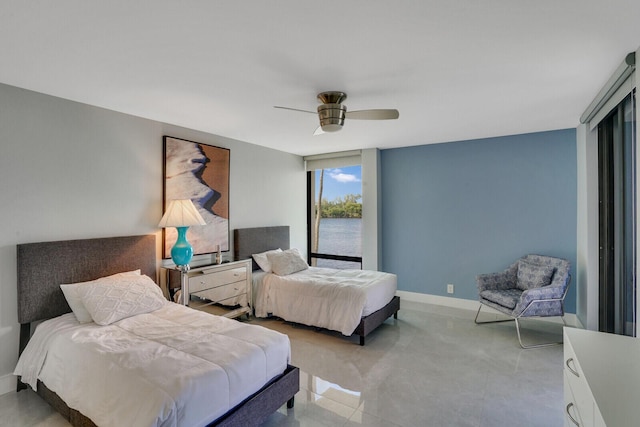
<point>181,213</point>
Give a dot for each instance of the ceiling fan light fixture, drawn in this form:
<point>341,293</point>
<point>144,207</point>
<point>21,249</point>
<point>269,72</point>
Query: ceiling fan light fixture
<point>331,127</point>
<point>331,116</point>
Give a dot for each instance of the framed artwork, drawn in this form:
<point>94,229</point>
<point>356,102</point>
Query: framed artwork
<point>198,172</point>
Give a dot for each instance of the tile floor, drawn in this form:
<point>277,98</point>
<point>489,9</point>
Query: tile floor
<point>431,367</point>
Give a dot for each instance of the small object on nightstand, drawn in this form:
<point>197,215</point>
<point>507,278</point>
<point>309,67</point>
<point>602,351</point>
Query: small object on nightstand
<point>218,256</point>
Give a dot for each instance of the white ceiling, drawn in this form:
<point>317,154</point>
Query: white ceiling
<point>456,69</point>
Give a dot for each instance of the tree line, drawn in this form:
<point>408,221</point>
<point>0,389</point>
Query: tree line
<point>347,207</point>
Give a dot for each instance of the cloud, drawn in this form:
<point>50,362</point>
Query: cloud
<point>339,176</point>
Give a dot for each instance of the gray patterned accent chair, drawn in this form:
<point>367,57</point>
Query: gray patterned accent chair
<point>533,286</point>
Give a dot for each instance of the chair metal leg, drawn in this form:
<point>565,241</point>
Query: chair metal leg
<point>547,344</point>
<point>518,330</point>
<point>489,321</point>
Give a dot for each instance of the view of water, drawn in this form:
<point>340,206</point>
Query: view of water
<point>340,236</point>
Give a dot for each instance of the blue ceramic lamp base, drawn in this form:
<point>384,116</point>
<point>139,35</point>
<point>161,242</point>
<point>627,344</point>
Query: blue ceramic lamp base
<point>182,252</point>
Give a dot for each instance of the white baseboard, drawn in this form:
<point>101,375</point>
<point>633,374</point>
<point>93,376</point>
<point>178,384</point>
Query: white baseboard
<point>8,383</point>
<point>467,304</point>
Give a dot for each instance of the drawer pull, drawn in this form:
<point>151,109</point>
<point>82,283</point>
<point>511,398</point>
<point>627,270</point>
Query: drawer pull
<point>573,420</point>
<point>573,371</point>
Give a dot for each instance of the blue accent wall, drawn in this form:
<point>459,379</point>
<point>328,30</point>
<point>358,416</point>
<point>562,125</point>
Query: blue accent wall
<point>451,211</point>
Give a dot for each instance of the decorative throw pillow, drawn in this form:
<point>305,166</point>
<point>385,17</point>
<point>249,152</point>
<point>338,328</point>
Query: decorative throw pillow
<point>287,262</point>
<point>532,275</point>
<point>111,299</point>
<point>263,261</point>
<point>70,292</point>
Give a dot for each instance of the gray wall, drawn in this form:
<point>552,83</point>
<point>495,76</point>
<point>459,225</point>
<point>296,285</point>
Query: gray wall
<point>451,211</point>
<point>69,170</point>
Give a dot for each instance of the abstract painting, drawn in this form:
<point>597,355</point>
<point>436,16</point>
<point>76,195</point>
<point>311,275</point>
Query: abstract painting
<point>198,172</point>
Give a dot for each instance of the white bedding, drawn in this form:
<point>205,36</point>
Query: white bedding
<point>173,367</point>
<point>324,297</point>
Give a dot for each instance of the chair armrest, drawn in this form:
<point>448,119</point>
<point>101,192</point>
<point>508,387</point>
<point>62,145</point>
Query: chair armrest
<point>543,293</point>
<point>550,296</point>
<point>495,281</point>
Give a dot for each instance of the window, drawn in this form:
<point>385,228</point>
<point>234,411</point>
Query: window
<point>334,200</point>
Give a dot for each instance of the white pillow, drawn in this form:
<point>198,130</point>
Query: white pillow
<point>111,299</point>
<point>287,262</point>
<point>70,292</point>
<point>263,261</point>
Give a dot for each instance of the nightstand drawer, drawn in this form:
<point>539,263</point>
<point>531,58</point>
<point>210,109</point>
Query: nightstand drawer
<point>231,294</point>
<point>203,281</point>
<point>220,289</point>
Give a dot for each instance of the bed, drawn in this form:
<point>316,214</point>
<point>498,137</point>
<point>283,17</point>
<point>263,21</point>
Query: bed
<point>335,308</point>
<point>189,380</point>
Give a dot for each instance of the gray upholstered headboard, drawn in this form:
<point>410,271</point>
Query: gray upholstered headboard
<point>249,241</point>
<point>42,267</point>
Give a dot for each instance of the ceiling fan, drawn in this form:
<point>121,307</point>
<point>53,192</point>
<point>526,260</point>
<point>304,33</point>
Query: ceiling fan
<point>332,112</point>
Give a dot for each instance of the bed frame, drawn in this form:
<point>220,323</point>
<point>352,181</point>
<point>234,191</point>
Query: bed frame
<point>42,267</point>
<point>249,241</point>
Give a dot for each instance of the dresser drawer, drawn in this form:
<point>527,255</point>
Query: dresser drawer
<point>577,388</point>
<point>572,415</point>
<point>204,280</point>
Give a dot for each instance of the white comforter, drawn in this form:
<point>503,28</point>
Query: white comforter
<point>324,297</point>
<point>172,367</point>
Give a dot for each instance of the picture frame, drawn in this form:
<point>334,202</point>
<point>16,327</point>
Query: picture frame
<point>199,172</point>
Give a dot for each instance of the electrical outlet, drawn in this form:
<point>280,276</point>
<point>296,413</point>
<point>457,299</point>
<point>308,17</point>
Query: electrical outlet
<point>449,288</point>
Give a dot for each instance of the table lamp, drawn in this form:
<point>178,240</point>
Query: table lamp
<point>181,214</point>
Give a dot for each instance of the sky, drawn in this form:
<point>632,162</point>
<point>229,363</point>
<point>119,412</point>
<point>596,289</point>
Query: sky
<point>339,182</point>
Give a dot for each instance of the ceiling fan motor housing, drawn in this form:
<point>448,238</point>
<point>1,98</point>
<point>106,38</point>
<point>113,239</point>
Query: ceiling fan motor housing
<point>331,116</point>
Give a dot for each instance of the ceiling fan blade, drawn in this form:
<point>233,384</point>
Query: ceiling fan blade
<point>373,114</point>
<point>318,131</point>
<point>295,109</point>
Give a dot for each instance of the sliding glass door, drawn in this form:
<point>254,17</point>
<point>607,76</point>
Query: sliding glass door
<point>617,214</point>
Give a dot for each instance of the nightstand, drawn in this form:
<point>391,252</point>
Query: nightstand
<point>221,289</point>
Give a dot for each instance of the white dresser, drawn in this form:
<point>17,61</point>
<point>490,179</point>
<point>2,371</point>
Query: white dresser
<point>601,379</point>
